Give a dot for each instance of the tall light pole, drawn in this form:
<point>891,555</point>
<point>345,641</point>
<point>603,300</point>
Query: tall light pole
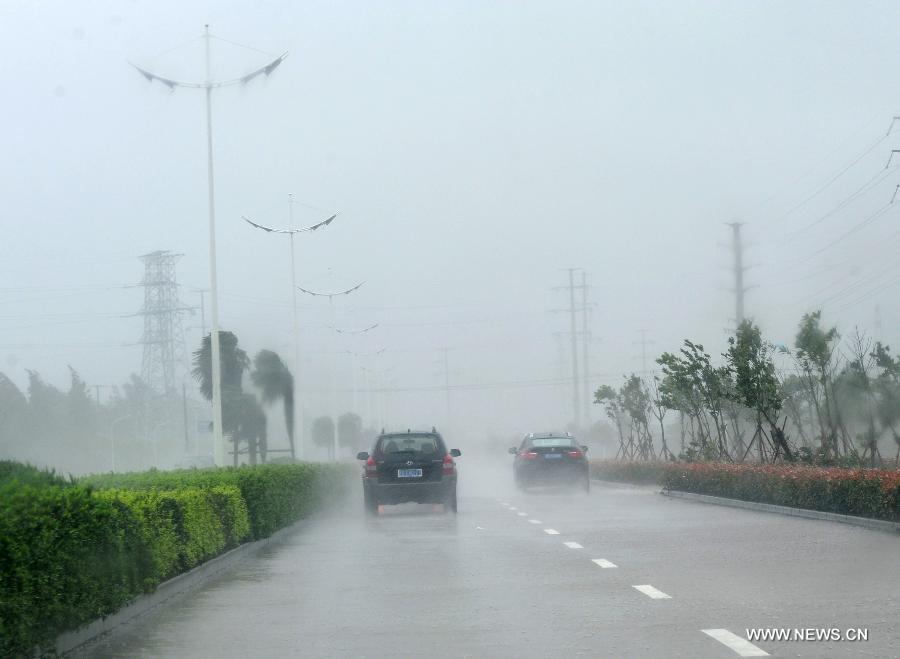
<point>208,85</point>
<point>330,297</point>
<point>291,231</point>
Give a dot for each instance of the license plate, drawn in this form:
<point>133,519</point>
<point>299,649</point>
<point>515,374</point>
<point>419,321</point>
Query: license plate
<point>551,456</point>
<point>409,473</point>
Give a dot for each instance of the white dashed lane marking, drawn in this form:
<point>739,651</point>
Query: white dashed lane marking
<point>742,646</point>
<point>551,531</point>
<point>652,592</point>
<point>513,508</point>
<point>535,521</point>
<point>522,514</point>
<point>602,562</point>
<point>573,545</point>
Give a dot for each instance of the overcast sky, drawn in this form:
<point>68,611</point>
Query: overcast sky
<point>474,150</point>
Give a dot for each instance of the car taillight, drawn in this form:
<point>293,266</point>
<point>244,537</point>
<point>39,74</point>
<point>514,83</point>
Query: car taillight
<point>529,455</point>
<point>449,466</point>
<point>371,467</point>
<point>575,454</point>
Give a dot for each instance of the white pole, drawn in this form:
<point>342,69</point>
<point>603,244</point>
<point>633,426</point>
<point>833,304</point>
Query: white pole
<point>218,435</point>
<point>298,412</point>
<point>334,408</point>
<point>353,379</point>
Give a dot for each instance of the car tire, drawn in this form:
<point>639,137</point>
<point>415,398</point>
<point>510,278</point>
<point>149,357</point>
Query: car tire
<point>450,505</point>
<point>370,504</point>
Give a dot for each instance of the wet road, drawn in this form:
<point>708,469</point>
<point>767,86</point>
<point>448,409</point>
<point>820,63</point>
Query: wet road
<point>627,573</point>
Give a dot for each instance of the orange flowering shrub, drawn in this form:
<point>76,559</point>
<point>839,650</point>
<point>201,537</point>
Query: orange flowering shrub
<point>863,492</point>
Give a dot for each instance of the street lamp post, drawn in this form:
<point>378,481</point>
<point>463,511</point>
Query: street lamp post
<point>330,297</point>
<point>208,85</point>
<point>291,231</point>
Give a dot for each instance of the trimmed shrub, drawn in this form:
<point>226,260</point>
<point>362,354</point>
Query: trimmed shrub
<point>74,551</point>
<point>66,558</point>
<point>863,492</point>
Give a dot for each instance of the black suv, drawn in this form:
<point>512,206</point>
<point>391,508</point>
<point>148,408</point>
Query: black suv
<point>409,466</point>
<point>551,458</point>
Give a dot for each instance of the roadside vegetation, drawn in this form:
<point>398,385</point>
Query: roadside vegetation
<point>74,550</point>
<point>815,426</point>
<point>825,402</point>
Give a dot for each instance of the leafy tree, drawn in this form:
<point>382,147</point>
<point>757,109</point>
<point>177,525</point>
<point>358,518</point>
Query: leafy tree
<point>818,363</point>
<point>692,385</point>
<point>611,402</point>
<point>46,407</point>
<point>349,431</point>
<point>323,434</point>
<point>14,421</point>
<point>887,387</point>
<point>756,386</point>
<point>276,383</point>
<point>659,410</point>
<point>234,362</point>
<point>635,399</point>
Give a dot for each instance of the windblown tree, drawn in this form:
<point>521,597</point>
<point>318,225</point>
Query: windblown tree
<point>14,422</point>
<point>349,431</point>
<point>323,434</point>
<point>234,362</point>
<point>887,386</point>
<point>692,385</point>
<point>249,427</point>
<point>611,402</point>
<point>636,401</point>
<point>276,382</point>
<point>749,360</point>
<point>659,410</point>
<point>859,395</point>
<point>818,362</point>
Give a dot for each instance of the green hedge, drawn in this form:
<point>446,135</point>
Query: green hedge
<point>74,551</point>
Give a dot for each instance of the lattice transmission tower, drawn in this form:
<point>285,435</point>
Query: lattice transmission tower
<point>165,355</point>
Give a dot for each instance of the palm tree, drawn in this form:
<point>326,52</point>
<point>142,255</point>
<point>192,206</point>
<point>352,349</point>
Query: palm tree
<point>234,362</point>
<point>275,382</point>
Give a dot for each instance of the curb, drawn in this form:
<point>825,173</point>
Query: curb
<point>865,522</point>
<point>174,587</point>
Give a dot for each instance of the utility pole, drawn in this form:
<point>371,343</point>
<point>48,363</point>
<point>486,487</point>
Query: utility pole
<point>585,340</point>
<point>579,386</point>
<point>739,268</point>
<point>208,85</point>
<point>576,399</point>
<point>643,343</point>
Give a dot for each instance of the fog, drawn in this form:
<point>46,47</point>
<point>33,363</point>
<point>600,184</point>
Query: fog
<point>473,152</point>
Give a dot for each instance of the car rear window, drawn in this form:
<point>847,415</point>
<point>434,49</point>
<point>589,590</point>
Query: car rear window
<point>550,442</point>
<point>408,443</point>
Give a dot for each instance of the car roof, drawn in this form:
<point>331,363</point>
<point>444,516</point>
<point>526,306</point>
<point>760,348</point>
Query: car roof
<point>547,435</point>
<point>400,433</point>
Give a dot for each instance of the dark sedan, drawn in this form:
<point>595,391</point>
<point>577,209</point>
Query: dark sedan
<point>551,459</point>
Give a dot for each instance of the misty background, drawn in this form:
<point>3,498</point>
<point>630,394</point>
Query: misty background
<point>473,150</point>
